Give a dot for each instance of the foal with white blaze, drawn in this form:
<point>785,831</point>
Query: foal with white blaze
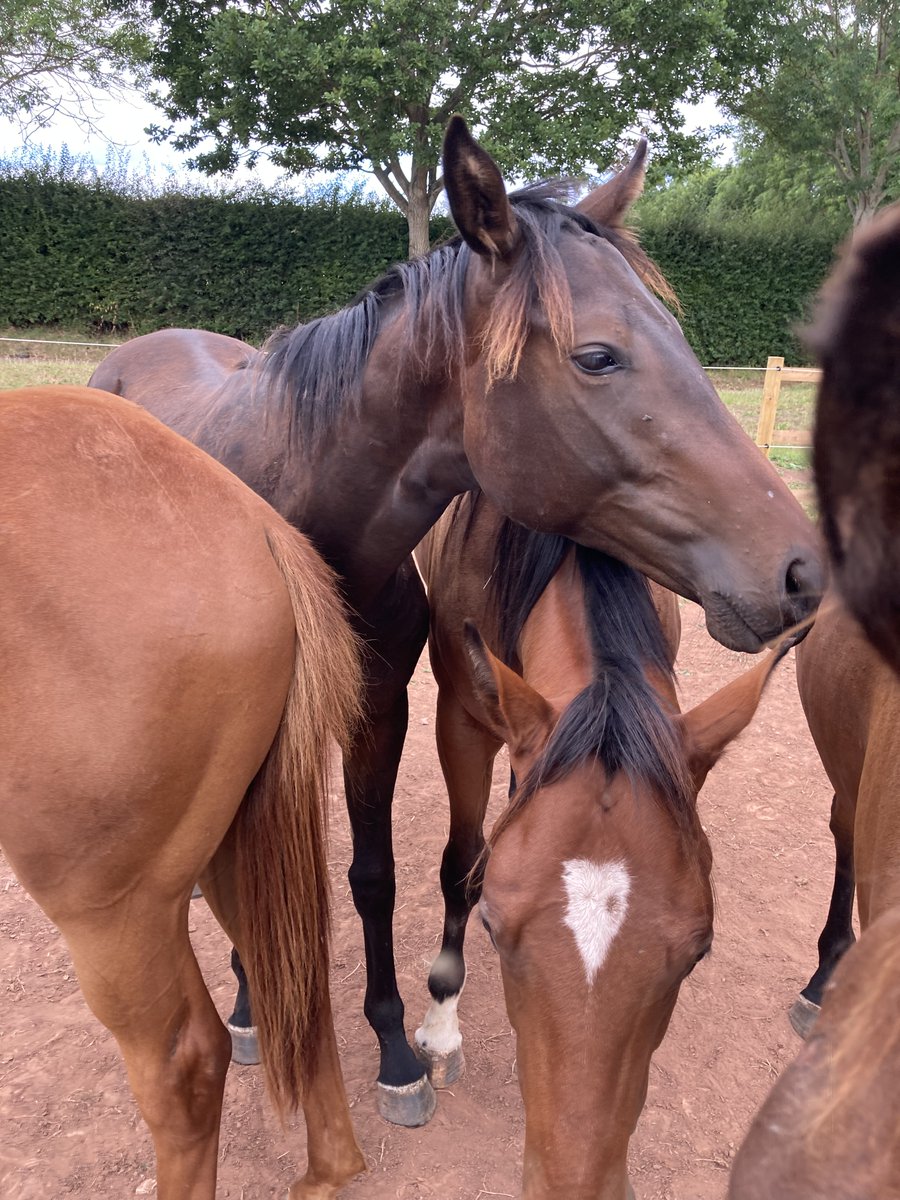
<point>596,889</point>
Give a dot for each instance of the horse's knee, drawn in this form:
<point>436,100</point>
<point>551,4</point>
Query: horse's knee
<point>374,887</point>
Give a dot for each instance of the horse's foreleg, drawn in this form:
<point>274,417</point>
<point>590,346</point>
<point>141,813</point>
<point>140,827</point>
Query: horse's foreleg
<point>837,933</point>
<point>467,753</point>
<point>405,1096</point>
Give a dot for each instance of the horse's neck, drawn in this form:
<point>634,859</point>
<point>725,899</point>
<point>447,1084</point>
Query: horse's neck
<point>555,644</point>
<point>373,487</point>
<point>372,492</point>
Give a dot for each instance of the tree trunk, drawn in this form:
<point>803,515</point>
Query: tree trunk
<point>417,217</point>
<point>864,205</point>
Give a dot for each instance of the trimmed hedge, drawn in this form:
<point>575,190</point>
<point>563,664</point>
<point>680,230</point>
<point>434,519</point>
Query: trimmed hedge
<point>744,293</point>
<point>85,254</point>
<point>72,254</point>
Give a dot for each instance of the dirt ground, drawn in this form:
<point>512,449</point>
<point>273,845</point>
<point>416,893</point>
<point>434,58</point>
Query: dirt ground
<point>70,1126</point>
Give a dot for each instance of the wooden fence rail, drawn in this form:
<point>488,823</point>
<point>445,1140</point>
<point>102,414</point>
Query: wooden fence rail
<point>777,373</point>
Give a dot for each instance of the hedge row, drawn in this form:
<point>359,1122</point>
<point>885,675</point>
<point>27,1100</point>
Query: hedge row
<point>745,293</point>
<point>72,254</point>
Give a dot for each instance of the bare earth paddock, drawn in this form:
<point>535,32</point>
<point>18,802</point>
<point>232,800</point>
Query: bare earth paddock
<point>70,1127</point>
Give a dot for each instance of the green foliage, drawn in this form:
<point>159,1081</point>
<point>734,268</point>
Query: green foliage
<point>746,247</point>
<point>763,188</point>
<point>744,291</point>
<point>115,253</point>
<point>101,254</point>
<point>828,94</point>
<point>552,85</point>
<point>50,52</point>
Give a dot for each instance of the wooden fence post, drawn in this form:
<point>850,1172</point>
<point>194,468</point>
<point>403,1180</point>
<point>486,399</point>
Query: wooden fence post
<point>769,406</point>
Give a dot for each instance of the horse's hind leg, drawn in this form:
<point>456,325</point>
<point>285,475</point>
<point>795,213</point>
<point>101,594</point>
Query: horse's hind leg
<point>466,751</point>
<point>333,1155</point>
<point>837,933</point>
<point>139,975</point>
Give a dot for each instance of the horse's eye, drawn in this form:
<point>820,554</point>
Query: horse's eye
<point>596,360</point>
<point>700,957</point>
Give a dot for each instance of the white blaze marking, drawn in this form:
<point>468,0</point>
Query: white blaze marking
<point>598,903</point>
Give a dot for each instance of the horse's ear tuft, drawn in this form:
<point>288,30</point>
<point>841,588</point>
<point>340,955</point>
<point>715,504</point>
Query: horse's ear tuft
<point>476,194</point>
<point>513,710</point>
<point>607,204</point>
<point>715,722</point>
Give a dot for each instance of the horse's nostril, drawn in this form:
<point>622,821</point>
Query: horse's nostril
<point>794,583</point>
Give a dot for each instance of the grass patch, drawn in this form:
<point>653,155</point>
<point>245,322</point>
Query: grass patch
<point>45,361</point>
<point>796,405</point>
<point>27,364</point>
<point>791,458</point>
<point>16,373</point>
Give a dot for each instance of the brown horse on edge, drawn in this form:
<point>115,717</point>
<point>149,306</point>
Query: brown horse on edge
<point>831,1128</point>
<point>531,358</point>
<point>856,448</point>
<point>175,662</point>
<point>596,886</point>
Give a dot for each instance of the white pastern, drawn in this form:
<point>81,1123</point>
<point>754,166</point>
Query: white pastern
<point>598,904</point>
<point>439,1032</point>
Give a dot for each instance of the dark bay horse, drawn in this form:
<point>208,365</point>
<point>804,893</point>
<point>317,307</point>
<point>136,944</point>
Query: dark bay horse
<point>596,889</point>
<point>831,1127</point>
<point>175,662</point>
<point>857,432</point>
<point>530,357</point>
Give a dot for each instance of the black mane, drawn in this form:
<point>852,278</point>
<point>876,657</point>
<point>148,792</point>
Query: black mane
<point>619,718</point>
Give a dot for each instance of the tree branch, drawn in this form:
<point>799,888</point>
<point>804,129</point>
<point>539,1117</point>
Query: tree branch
<point>384,178</point>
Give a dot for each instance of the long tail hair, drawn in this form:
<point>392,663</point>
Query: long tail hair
<point>280,830</point>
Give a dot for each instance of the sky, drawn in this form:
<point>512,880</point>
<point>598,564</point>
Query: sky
<point>120,123</point>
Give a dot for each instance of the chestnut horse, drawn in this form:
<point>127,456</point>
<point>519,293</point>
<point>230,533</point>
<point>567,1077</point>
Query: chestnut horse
<point>175,662</point>
<point>528,356</point>
<point>596,889</point>
<point>831,1127</point>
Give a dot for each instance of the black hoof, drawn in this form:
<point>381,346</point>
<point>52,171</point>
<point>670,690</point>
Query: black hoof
<point>244,1046</point>
<point>411,1105</point>
<point>803,1016</point>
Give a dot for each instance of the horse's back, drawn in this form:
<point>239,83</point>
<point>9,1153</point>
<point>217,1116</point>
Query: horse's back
<point>146,629</point>
<point>171,371</point>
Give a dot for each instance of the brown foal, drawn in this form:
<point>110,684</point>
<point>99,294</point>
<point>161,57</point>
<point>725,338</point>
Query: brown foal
<point>596,889</point>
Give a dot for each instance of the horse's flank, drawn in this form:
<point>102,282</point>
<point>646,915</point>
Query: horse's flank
<point>177,661</point>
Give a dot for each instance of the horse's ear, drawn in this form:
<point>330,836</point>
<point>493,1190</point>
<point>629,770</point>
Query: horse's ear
<point>712,725</point>
<point>477,197</point>
<point>608,203</point>
<point>515,711</point>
